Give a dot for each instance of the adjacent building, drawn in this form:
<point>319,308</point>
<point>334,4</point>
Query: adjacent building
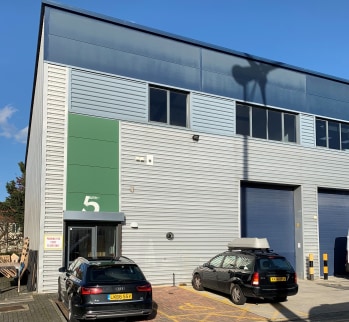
<point>164,149</point>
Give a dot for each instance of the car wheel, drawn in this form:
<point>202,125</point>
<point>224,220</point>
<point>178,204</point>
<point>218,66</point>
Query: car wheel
<point>237,296</point>
<point>196,282</point>
<point>70,307</point>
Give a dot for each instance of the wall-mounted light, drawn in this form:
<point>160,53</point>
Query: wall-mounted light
<point>196,137</point>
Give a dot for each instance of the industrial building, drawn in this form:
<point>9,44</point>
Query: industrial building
<point>164,149</point>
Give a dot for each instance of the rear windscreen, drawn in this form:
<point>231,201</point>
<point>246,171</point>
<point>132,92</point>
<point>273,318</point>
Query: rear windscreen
<point>273,263</point>
<point>114,273</point>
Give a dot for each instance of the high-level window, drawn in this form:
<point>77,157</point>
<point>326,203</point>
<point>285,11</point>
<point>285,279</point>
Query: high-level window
<point>332,134</point>
<point>265,123</point>
<point>168,106</point>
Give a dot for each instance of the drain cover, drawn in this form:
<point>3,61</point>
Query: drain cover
<point>5,309</point>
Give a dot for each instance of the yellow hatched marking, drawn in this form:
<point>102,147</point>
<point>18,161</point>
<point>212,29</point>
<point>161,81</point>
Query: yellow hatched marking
<point>189,306</point>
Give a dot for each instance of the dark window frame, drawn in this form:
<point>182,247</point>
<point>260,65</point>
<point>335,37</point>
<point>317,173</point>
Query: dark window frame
<point>172,109</point>
<point>245,120</point>
<point>329,138</point>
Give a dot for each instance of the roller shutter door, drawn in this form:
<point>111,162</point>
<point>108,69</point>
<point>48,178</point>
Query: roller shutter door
<point>333,228</point>
<point>268,211</point>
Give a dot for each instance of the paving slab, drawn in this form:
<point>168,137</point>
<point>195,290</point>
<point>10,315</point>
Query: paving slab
<point>319,300</point>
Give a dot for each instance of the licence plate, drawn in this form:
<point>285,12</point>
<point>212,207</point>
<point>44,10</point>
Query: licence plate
<point>278,279</point>
<point>120,297</point>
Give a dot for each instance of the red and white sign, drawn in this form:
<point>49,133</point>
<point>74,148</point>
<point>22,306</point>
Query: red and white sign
<point>53,242</point>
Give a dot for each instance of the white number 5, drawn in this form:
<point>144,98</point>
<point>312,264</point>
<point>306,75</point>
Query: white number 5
<point>88,202</point>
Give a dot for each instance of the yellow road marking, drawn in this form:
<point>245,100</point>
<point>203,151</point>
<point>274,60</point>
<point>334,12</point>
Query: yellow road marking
<point>189,306</point>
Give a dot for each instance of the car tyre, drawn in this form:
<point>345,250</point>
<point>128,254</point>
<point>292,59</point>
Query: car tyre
<point>237,296</point>
<point>70,315</point>
<point>197,282</point>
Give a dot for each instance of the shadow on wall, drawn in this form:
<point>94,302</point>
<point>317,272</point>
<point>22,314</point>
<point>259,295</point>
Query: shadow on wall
<point>256,74</point>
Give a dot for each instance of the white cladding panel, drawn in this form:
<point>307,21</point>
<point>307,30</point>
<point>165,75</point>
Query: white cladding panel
<point>190,191</point>
<point>211,114</point>
<point>108,96</point>
<point>34,163</point>
<point>307,130</point>
<point>54,171</point>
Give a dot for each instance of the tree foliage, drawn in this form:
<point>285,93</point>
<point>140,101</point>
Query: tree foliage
<point>12,209</point>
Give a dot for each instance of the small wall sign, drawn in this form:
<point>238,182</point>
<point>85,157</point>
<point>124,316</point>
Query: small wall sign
<point>53,242</point>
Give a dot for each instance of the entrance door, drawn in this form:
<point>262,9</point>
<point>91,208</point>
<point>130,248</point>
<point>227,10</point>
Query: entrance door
<point>80,242</point>
<point>91,241</point>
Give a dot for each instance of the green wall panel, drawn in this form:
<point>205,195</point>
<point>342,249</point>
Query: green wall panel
<point>93,164</point>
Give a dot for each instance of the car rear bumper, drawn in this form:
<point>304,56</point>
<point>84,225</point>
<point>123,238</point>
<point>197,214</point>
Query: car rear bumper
<point>93,312</point>
<point>271,292</point>
<point>93,315</point>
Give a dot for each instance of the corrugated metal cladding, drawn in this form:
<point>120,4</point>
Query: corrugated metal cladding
<point>333,228</point>
<point>32,216</point>
<point>156,57</point>
<point>190,190</point>
<point>307,130</point>
<point>268,211</point>
<point>293,164</point>
<point>110,97</point>
<point>212,114</point>
<point>54,154</point>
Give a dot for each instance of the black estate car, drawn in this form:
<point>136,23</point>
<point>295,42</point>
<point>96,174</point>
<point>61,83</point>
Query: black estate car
<point>104,288</point>
<point>247,270</point>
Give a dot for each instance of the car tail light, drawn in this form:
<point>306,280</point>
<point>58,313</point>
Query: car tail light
<point>255,279</point>
<point>91,290</point>
<point>144,288</point>
<point>295,278</point>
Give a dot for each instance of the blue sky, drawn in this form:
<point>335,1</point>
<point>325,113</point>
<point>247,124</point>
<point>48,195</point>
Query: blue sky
<point>310,34</point>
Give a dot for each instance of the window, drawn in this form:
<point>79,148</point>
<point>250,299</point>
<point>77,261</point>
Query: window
<point>259,129</point>
<point>332,135</point>
<point>229,261</point>
<point>274,125</point>
<point>168,106</point>
<point>265,123</point>
<point>244,262</point>
<point>242,120</point>
<point>289,132</point>
<point>321,133</point>
<point>345,136</point>
<point>216,262</point>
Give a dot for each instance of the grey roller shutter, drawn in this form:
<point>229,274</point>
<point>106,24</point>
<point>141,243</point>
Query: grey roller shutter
<point>333,229</point>
<point>268,211</point>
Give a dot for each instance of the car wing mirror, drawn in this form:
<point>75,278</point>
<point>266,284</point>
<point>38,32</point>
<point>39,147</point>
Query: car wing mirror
<point>62,270</point>
<point>208,265</point>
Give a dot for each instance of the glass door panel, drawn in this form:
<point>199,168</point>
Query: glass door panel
<point>106,238</point>
<point>80,242</point>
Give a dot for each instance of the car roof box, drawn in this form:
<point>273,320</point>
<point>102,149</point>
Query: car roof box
<point>248,243</point>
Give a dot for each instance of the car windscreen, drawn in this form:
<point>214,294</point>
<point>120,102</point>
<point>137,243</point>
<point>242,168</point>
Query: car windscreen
<point>274,263</point>
<point>114,273</point>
